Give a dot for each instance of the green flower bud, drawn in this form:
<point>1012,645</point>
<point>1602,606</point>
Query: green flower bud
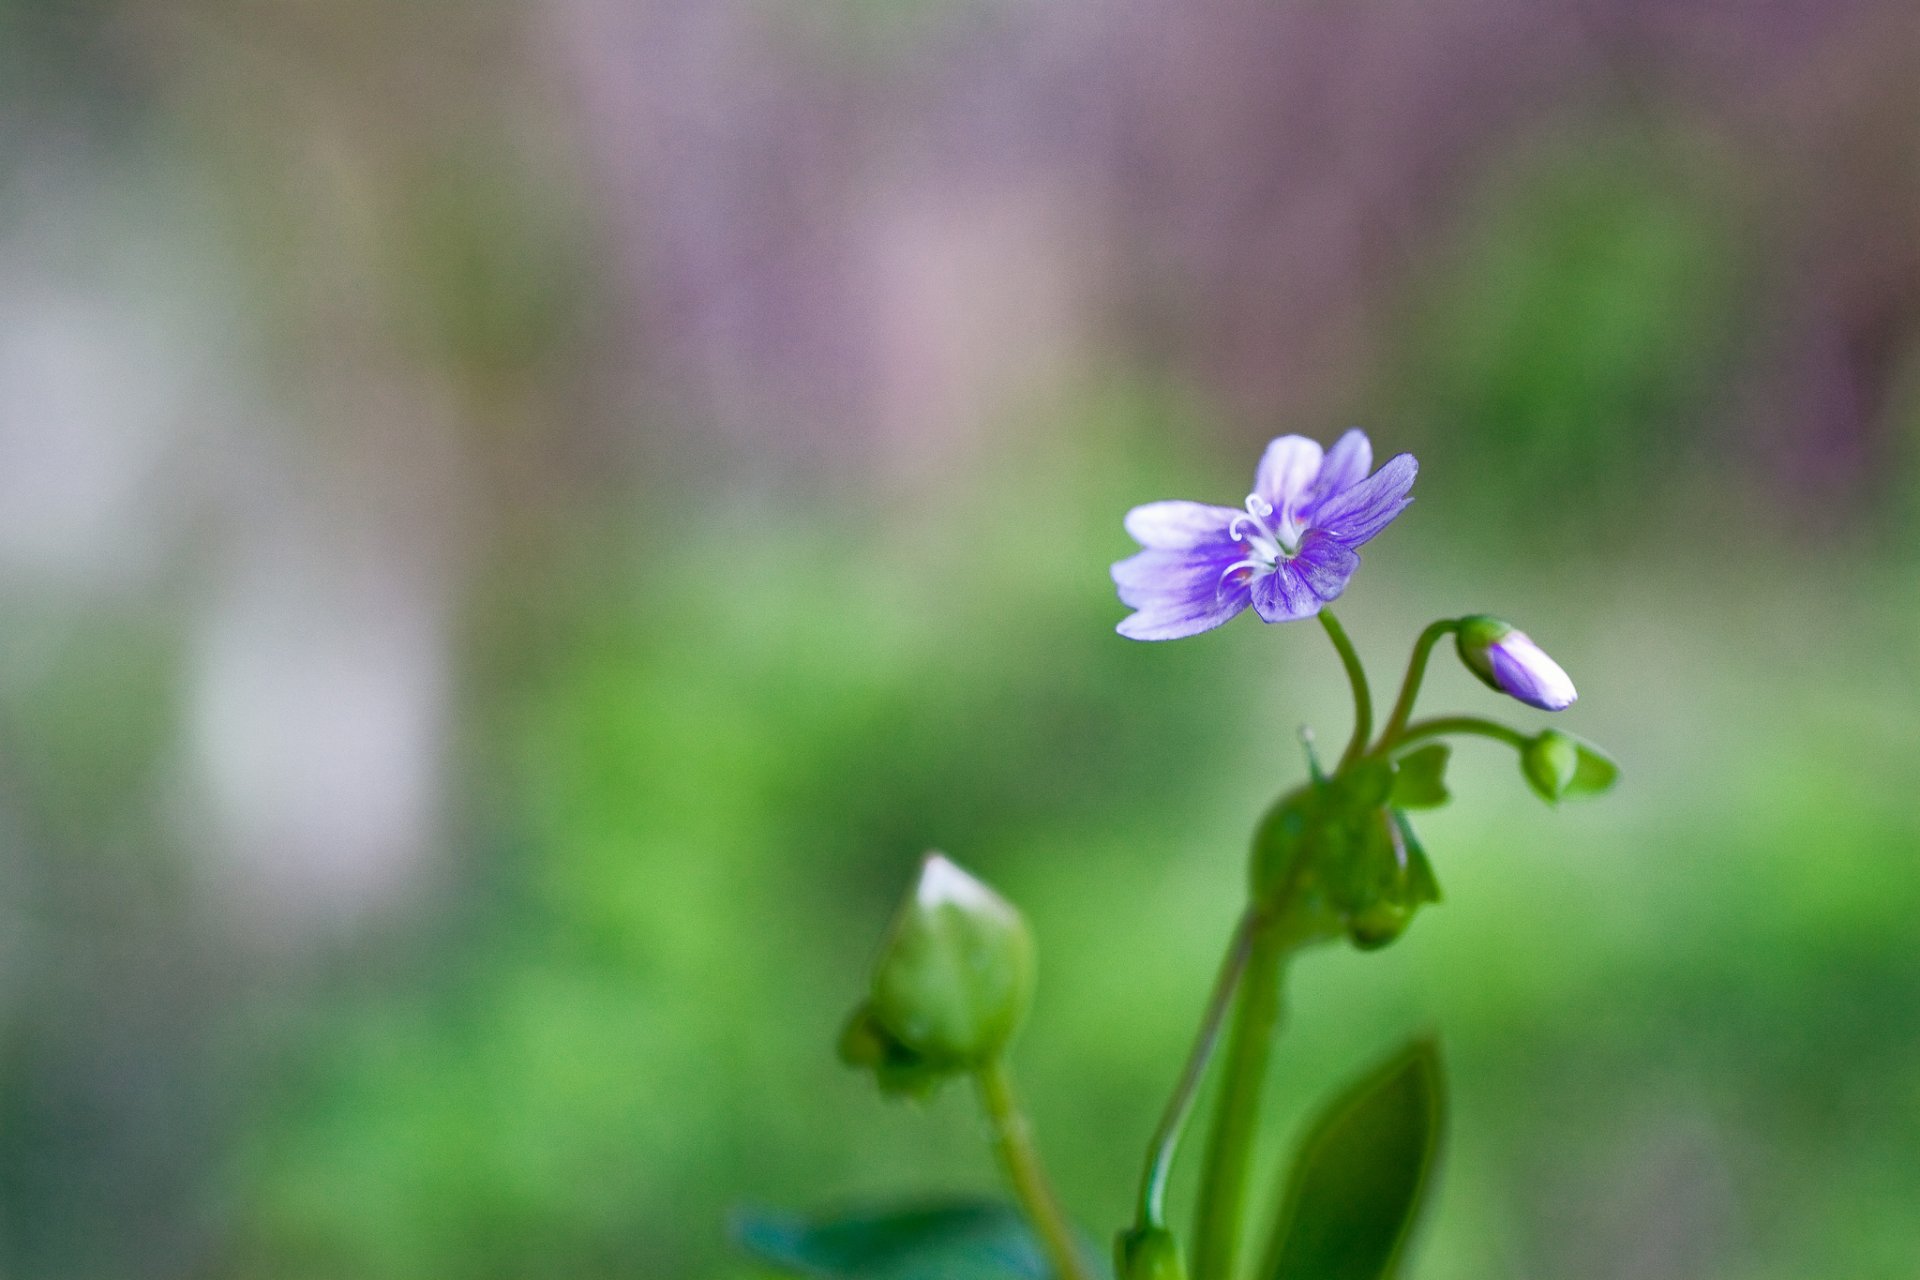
<point>1148,1253</point>
<point>955,975</point>
<point>1558,766</point>
<point>1549,762</point>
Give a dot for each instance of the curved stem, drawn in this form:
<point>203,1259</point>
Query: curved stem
<point>1416,672</point>
<point>1013,1143</point>
<point>1166,1139</point>
<point>1223,1185</point>
<point>1441,726</point>
<point>1357,677</point>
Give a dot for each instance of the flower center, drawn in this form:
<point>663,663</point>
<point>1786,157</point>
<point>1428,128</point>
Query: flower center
<point>1271,537</point>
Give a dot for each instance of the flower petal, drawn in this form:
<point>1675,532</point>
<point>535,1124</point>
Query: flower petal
<point>1287,470</point>
<point>1149,576</point>
<point>1178,526</point>
<point>1345,466</point>
<point>1178,593</point>
<point>1284,596</point>
<point>1176,617</point>
<point>1524,671</point>
<point>1325,564</point>
<point>1360,512</point>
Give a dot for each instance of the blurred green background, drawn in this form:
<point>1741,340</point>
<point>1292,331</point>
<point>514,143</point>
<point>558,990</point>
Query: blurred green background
<point>518,525</point>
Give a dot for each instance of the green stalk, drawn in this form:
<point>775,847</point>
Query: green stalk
<point>1410,687</point>
<point>1013,1143</point>
<point>1441,726</point>
<point>1152,1210</point>
<point>1223,1180</point>
<point>1357,677</point>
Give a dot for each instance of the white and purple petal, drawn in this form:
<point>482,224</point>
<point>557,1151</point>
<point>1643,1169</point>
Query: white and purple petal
<point>1345,466</point>
<point>1147,576</point>
<point>1175,616</point>
<point>1283,595</point>
<point>1287,470</point>
<point>1178,593</point>
<point>1523,670</point>
<point>1179,526</point>
<point>1325,564</point>
<point>1363,510</point>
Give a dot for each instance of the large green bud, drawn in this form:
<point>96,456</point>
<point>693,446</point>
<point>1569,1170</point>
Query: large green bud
<point>955,976</point>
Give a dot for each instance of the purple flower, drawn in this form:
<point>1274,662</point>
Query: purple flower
<point>1509,661</point>
<point>1289,551</point>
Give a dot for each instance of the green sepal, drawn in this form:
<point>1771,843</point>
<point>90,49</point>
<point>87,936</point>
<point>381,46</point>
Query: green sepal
<point>898,1071</point>
<point>960,1240</point>
<point>1361,1177</point>
<point>1285,843</point>
<point>1548,762</point>
<point>1596,772</point>
<point>1399,882</point>
<point>1148,1253</point>
<point>1367,784</point>
<point>1558,765</point>
<point>1420,778</point>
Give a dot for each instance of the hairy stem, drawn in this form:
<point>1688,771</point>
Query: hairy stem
<point>1410,687</point>
<point>1223,1184</point>
<point>1020,1159</point>
<point>1173,1122</point>
<point>1357,677</point>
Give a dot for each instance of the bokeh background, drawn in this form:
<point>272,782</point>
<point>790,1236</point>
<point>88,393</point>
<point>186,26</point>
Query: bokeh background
<point>519,523</point>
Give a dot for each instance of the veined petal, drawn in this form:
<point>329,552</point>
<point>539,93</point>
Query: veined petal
<point>1325,564</point>
<point>1287,470</point>
<point>1284,596</point>
<point>1179,623</point>
<point>1178,526</point>
<point>1345,466</point>
<point>1358,513</point>
<point>1149,576</point>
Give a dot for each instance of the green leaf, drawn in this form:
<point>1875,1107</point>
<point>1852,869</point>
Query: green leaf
<point>958,1240</point>
<point>1420,781</point>
<point>1361,1177</point>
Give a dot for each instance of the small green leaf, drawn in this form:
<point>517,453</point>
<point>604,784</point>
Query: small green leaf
<point>1359,1181</point>
<point>960,1240</point>
<point>1420,780</point>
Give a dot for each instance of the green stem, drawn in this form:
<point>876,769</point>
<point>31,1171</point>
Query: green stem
<point>1173,1122</point>
<point>1410,687</point>
<point>1441,726</point>
<point>1223,1183</point>
<point>1013,1143</point>
<point>1357,677</point>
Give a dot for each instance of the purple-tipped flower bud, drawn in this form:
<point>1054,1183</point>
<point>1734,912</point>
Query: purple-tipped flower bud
<point>956,974</point>
<point>1506,660</point>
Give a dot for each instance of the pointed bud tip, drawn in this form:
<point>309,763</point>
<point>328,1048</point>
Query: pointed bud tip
<point>943,883</point>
